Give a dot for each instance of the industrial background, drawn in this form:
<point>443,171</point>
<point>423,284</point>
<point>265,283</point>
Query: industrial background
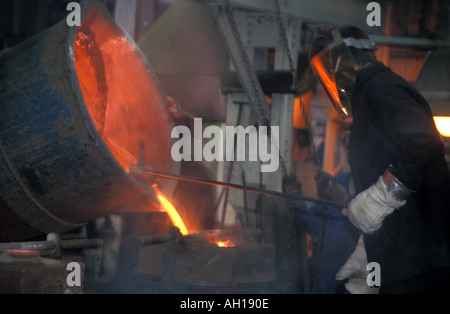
<point>80,185</point>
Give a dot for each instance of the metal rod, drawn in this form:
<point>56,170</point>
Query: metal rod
<point>81,244</point>
<point>240,187</point>
<point>33,246</point>
<point>49,245</point>
<point>156,239</point>
<point>230,169</point>
<point>245,199</point>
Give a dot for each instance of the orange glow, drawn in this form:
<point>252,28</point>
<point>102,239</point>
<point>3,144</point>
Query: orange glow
<point>443,125</point>
<point>298,118</point>
<point>329,82</point>
<point>172,212</point>
<point>227,243</point>
<point>121,93</point>
<point>22,253</point>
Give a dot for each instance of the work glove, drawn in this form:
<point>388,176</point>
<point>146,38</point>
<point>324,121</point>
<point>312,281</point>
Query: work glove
<point>369,208</point>
<point>355,271</point>
<point>329,189</point>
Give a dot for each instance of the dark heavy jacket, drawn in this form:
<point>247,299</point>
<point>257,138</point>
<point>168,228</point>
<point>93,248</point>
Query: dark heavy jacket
<point>393,125</point>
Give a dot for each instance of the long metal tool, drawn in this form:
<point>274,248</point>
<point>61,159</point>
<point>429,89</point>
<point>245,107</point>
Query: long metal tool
<point>239,187</point>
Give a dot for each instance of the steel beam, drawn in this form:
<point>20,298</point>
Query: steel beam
<point>243,66</point>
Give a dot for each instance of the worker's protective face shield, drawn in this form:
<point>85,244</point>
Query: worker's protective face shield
<point>335,69</point>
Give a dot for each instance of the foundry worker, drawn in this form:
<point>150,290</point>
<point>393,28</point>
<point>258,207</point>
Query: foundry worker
<point>402,183</point>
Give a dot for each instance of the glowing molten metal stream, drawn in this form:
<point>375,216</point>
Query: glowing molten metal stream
<point>172,212</point>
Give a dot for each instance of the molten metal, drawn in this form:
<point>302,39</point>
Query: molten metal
<point>172,212</point>
<point>121,93</point>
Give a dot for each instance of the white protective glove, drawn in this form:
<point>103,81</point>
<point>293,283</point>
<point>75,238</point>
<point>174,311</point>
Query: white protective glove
<point>355,270</point>
<point>369,208</point>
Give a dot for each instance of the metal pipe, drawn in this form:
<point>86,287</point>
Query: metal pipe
<point>81,244</point>
<point>26,246</point>
<point>50,245</point>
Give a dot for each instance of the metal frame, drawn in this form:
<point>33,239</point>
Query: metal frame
<point>258,31</point>
<point>242,64</point>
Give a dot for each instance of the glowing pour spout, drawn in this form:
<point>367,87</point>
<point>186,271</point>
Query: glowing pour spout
<point>172,212</point>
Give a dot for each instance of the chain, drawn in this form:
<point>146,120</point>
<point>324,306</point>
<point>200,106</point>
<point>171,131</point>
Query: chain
<point>250,73</point>
<point>294,78</point>
<point>298,93</point>
<point>283,35</point>
<point>284,170</point>
<point>291,225</point>
<point>317,250</point>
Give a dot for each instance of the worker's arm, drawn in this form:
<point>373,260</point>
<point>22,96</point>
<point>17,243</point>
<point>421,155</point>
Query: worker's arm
<point>407,125</point>
<point>406,121</point>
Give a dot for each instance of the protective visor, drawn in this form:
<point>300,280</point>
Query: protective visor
<point>334,67</point>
